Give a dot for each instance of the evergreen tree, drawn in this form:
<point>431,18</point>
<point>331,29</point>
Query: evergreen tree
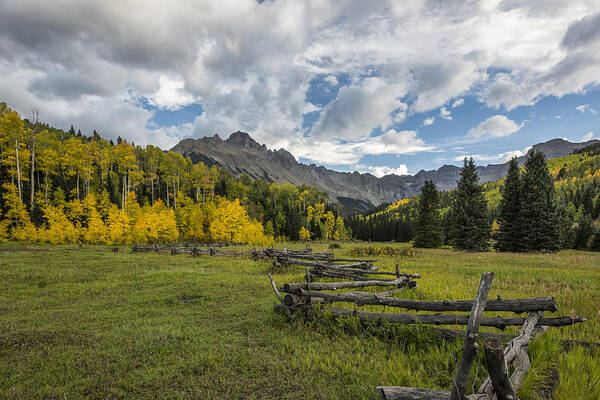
<point>583,232</point>
<point>428,231</point>
<point>538,216</point>
<point>595,242</point>
<point>508,236</point>
<point>470,225</point>
<point>565,224</point>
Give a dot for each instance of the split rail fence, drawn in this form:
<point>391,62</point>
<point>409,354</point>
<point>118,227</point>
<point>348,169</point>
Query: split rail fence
<point>499,385</point>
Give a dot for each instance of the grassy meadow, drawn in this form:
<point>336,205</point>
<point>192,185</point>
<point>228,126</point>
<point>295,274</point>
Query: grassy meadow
<point>92,323</point>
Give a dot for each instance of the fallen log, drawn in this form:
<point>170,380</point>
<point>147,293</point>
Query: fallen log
<point>292,261</point>
<point>311,256</point>
<point>441,319</point>
<point>409,393</point>
<point>335,274</point>
<point>296,287</point>
<point>514,305</point>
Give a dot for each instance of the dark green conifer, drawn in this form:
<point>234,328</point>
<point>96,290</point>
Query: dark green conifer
<point>470,225</point>
<point>595,242</point>
<point>538,216</point>
<point>428,232</point>
<point>583,231</point>
<point>508,236</point>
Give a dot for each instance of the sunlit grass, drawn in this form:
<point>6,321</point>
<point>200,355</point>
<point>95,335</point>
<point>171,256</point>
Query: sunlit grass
<point>93,323</point>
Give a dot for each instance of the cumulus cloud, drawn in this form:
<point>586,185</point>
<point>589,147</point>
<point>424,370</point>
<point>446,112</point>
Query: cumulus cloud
<point>494,158</point>
<point>494,127</point>
<point>331,80</point>
<point>249,64</point>
<point>445,114</point>
<point>458,103</point>
<point>428,121</point>
<point>359,108</point>
<point>585,107</point>
<point>588,136</point>
<point>380,171</point>
<point>348,153</point>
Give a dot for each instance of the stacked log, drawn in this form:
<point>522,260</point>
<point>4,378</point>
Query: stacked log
<point>499,385</point>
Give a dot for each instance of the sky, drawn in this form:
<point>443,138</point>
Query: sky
<point>374,86</point>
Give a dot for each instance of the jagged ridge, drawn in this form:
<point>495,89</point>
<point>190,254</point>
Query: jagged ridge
<point>241,154</point>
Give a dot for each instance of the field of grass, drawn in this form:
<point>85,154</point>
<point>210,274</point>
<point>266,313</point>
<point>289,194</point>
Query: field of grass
<point>92,323</point>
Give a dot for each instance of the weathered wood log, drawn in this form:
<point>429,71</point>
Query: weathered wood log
<point>311,256</point>
<point>298,301</point>
<point>336,268</point>
<point>278,295</point>
<point>409,393</point>
<point>305,263</point>
<point>522,365</point>
<point>498,370</point>
<point>514,305</point>
<point>442,319</point>
<point>470,346</point>
<point>346,275</point>
<point>515,346</point>
<point>296,287</point>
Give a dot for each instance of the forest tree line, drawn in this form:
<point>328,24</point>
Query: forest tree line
<point>65,187</point>
<point>545,206</point>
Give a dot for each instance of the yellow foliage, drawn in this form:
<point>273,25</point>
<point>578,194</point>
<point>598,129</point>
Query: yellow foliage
<point>25,233</point>
<point>96,231</point>
<point>118,226</point>
<point>3,230</point>
<point>230,223</point>
<point>155,224</point>
<point>304,234</point>
<point>58,228</point>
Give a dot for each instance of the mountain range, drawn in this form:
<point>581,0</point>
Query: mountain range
<point>355,191</point>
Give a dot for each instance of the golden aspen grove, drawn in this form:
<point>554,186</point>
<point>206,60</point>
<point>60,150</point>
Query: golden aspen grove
<point>65,187</point>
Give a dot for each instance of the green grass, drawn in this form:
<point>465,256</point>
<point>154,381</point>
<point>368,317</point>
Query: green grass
<point>92,323</point>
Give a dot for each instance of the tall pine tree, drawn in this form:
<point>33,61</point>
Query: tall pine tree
<point>470,225</point>
<point>429,223</point>
<point>538,216</point>
<point>508,236</point>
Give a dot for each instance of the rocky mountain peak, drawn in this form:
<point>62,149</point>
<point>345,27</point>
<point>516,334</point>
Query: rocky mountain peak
<point>243,139</point>
<point>243,155</point>
<point>285,157</point>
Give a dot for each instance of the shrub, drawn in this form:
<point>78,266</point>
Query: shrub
<point>373,250</point>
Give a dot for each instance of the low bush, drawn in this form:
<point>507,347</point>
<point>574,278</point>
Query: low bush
<point>373,250</point>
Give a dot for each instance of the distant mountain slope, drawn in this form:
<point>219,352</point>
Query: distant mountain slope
<point>355,191</point>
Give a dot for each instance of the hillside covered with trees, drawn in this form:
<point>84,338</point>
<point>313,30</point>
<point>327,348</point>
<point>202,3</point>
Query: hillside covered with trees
<point>572,185</point>
<point>65,187</point>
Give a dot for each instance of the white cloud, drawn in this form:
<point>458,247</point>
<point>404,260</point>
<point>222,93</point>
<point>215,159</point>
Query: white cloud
<point>458,103</point>
<point>249,64</point>
<point>493,127</point>
<point>171,93</point>
<point>494,158</point>
<point>428,121</point>
<point>349,153</point>
<point>380,171</point>
<point>358,109</point>
<point>445,114</point>
<point>331,80</point>
<point>588,136</point>
<point>585,107</point>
